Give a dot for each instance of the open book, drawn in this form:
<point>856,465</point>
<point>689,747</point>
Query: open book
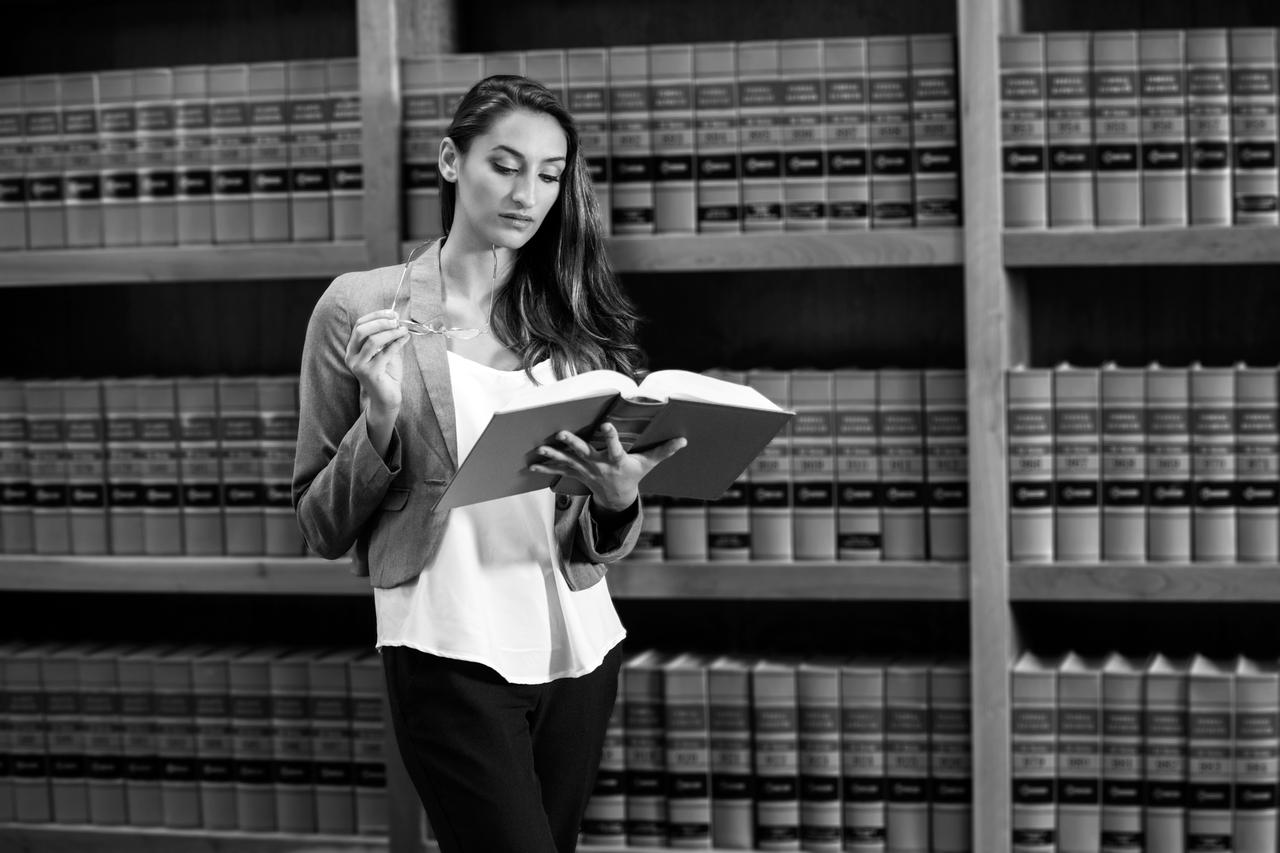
<point>726,425</point>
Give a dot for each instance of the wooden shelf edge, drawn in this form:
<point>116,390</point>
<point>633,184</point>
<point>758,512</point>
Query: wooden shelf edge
<point>1145,582</point>
<point>798,580</point>
<point>1203,245</point>
<point>130,839</point>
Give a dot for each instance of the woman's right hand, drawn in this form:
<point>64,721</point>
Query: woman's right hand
<point>375,356</point>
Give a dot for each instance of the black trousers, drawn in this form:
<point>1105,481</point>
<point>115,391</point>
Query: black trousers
<point>500,768</point>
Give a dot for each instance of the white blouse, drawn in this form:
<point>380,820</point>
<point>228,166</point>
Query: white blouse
<point>495,594</point>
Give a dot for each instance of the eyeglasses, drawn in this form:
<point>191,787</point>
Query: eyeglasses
<point>437,326</point>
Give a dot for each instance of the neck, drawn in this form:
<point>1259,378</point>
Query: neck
<point>468,266</point>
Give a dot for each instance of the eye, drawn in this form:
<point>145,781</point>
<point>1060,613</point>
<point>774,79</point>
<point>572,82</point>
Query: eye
<point>550,179</point>
<point>504,170</point>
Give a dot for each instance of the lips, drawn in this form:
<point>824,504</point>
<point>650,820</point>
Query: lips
<point>518,218</point>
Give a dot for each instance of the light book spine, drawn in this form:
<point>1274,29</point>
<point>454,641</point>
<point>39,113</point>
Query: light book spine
<point>192,134</point>
<point>1257,465</point>
<point>818,700</point>
<point>269,152</point>
<point>688,750</point>
<point>732,782</point>
<point>1210,758</point>
<point>862,758</point>
<point>946,431</point>
<point>1254,125</point>
<point>1123,777</point>
<point>1116,129</point>
<point>368,743</point>
<point>1124,463</point>
<point>250,684</point>
<point>1030,403</point>
<point>29,760</point>
<point>15,476</point>
<point>906,756</point>
<point>307,123</point>
<point>423,125</point>
<point>46,452</point>
<point>644,729</point>
<point>804,197</point>
<point>1023,131</point>
<point>1033,754</point>
<point>1162,93</point>
<point>649,543</point>
<point>859,530</point>
<point>547,67</point>
<point>671,95</point>
<point>293,770</point>
<point>715,97</point>
<point>1079,755</point>
<point>86,466</point>
<point>124,465</point>
<point>900,411</point>
<point>329,711</point>
<point>240,455</point>
<point>13,185</point>
<point>82,187</point>
<point>950,759</point>
<point>103,736</point>
<point>684,529</point>
<point>728,517</point>
<point>631,140</point>
<point>1256,756</point>
<point>176,749</point>
<point>813,461</point>
<point>1168,464</point>
<point>118,129</point>
<point>65,735</point>
<point>6,742</point>
<point>604,823</point>
<point>43,161</point>
<point>157,157</point>
<point>760,135</point>
<point>232,149</point>
<point>1213,455</point>
<point>587,72</point>
<point>847,136</point>
<point>777,760</point>
<point>889,115</point>
<point>1069,129</point>
<point>1208,71</point>
<point>1165,754</point>
<point>935,131</point>
<point>346,150</point>
<point>278,432</point>
<point>211,710</point>
<point>164,468</point>
<point>138,716</point>
<point>772,516</point>
<point>1077,521</point>
<point>197,410</point>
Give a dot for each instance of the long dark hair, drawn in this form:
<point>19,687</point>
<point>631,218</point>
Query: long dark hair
<point>562,301</point>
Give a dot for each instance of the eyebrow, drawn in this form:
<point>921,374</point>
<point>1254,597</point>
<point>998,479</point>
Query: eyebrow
<point>513,152</point>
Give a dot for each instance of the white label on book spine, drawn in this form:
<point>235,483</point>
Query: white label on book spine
<point>1069,128</point>
<point>1168,465</point>
<point>1213,512</point>
<point>1077,533</point>
<point>1208,127</point>
<point>1116,128</point>
<point>1030,465</point>
<point>1022,130</point>
<point>1124,465</point>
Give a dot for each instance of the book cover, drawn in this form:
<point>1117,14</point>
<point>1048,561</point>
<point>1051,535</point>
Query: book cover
<point>124,465</point>
<point>772,515</point>
<point>82,185</point>
<point>330,714</point>
<point>232,144</point>
<point>728,516</point>
<point>604,824</point>
<point>135,671</point>
<point>306,113</point>
<point>1213,463</point>
<point>249,679</point>
<point>103,736</point>
<point>671,95</point>
<point>946,439</point>
<point>13,183</point>
<point>346,149</point>
<point>29,758</point>
<point>1023,131</point>
<point>47,457</point>
<point>211,710</point>
<point>278,436</point>
<point>1117,129</point>
<point>732,779</point>
<point>725,426</point>
<point>1257,743</point>
<point>776,760</point>
<point>715,103</point>
<point>1257,465</point>
<point>548,68</point>
<point>1077,533</point>
<point>644,739</point>
<point>935,131</point>
<point>950,758</point>
<point>859,532</point>
<point>423,124</point>
<point>1069,129</point>
<point>587,84</point>
<point>1029,398</point>
<point>201,478</point>
<point>1123,774</point>
<point>86,466</point>
<point>760,135</point>
<point>688,752</point>
<point>1162,96</point>
<point>193,141</point>
<point>847,133</point>
<point>804,185</point>
<point>176,735</point>
<point>906,756</point>
<point>1208,72</point>
<point>1079,754</point>
<point>240,457</point>
<point>1123,427</point>
<point>268,152</point>
<point>900,412</point>
<point>889,115</point>
<point>43,162</point>
<point>157,157</point>
<point>293,771</point>
<point>163,468</point>
<point>1034,753</point>
<point>684,528</point>
<point>862,757</point>
<point>16,535</point>
<point>813,461</point>
<point>1165,753</point>
<point>630,141</point>
<point>65,734</point>
<point>1168,464</point>
<point>1253,125</point>
<point>818,703</point>
<point>368,742</point>
<point>1210,756</point>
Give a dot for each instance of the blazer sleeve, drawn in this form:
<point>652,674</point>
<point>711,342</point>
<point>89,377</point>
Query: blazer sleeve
<point>339,479</point>
<point>600,543</point>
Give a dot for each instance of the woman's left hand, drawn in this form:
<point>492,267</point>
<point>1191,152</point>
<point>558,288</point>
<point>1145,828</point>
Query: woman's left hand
<point>612,474</point>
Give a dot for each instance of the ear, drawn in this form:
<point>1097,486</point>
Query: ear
<point>448,160</point>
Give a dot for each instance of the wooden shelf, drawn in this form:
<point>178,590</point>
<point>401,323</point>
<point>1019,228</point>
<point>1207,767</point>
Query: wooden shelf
<point>191,263</point>
<point>53,838</point>
<point>1142,246</point>
<point>1136,582</point>
<point>228,575</point>
<point>791,580</point>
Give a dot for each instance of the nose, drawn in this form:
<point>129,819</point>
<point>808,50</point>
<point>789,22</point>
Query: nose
<point>522,192</point>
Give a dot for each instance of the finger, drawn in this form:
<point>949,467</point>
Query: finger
<point>381,314</point>
<point>550,456</point>
<point>369,325</point>
<point>575,444</point>
<point>665,450</point>
<point>612,443</point>
<point>376,343</point>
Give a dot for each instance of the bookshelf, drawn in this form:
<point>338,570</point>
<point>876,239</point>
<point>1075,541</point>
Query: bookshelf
<point>57,839</point>
<point>1199,246</point>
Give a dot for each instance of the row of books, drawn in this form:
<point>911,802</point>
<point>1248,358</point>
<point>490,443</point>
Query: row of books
<point>1164,464</point>
<point>766,135</point>
<point>1125,128</point>
<point>275,739</point>
<point>738,753</point>
<point>200,466</point>
<point>264,152</point>
<point>1159,753</point>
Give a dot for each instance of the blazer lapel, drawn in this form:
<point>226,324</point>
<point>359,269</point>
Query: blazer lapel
<point>425,305</point>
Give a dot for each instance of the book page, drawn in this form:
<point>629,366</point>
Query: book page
<point>687,385</point>
<point>593,383</point>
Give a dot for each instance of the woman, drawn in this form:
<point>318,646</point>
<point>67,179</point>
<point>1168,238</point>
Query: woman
<point>499,640</point>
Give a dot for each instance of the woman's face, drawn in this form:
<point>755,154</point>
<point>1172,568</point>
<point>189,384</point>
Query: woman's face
<point>509,178</point>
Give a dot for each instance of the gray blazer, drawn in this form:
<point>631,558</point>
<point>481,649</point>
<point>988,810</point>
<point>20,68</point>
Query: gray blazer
<point>345,494</point>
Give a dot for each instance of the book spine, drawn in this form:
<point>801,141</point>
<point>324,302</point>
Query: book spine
<point>293,770</point>
<point>176,746</point>
<point>684,529</point>
<point>715,96</point>
<point>240,454</point>
<point>889,116</point>
<point>804,197</point>
<point>631,140</point>
<point>118,132</point>
<point>1030,404</point>
<point>1208,72</point>
<point>164,469</point>
<point>688,750</point>
<point>548,68</point>
<point>813,459</point>
<point>43,163</point>
<point>760,135</point>
<point>1124,464</point>
<point>818,692</point>
<point>86,467</point>
<point>82,185</point>
<point>251,733</point>
<point>278,429</point>
<point>862,758</point>
<point>16,535</point>
<point>157,158</point>
<point>124,465</point>
<point>1254,758</point>
<point>900,412</point>
<point>1162,93</point>
<point>777,759</point>
<point>307,122</point>
<point>329,711</point>
<point>1257,429</point>
<point>847,133</point>
<point>232,149</point>
<point>1210,763</point>
<point>1165,759</point>
<point>368,745</point>
<point>729,529</point>
<point>1116,129</point>
<point>194,154</point>
<point>1168,465</point>
<point>423,126</point>
<point>644,728</point>
<point>732,783</point>
<point>859,532</point>
<point>1023,130</point>
<point>65,737</point>
<point>1033,758</point>
<point>200,477</point>
<point>29,760</point>
<point>1213,455</point>
<point>950,760</point>
<point>1254,126</point>
<point>138,716</point>
<point>671,94</point>
<point>268,153</point>
<point>650,543</point>
<point>772,518</point>
<point>1079,760</point>
<point>346,150</point>
<point>587,70</point>
<point>1069,130</point>
<point>103,739</point>
<point>46,452</point>
<point>508,62</point>
<point>604,824</point>
<point>215,769</point>
<point>1077,520</point>
<point>935,131</point>
<point>1123,779</point>
<point>13,184</point>
<point>946,432</point>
